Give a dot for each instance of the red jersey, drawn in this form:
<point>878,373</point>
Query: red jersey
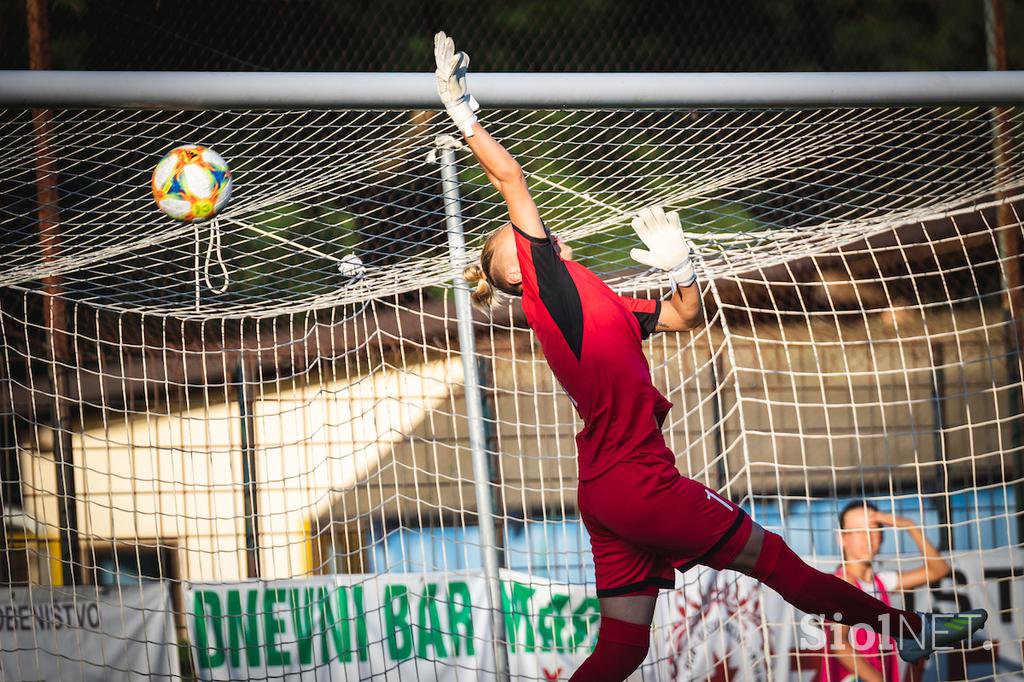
<point>591,338</point>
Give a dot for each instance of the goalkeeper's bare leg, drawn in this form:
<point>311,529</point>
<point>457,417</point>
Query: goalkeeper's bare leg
<point>623,639</point>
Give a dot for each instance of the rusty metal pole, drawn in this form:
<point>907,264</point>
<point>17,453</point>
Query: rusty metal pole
<point>1009,232</point>
<point>54,305</point>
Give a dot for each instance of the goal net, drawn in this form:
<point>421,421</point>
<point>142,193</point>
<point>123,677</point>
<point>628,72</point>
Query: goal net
<point>228,453</point>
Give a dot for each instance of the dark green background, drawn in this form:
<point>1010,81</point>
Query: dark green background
<point>522,35</point>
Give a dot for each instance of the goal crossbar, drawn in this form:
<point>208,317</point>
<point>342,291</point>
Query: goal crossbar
<point>229,90</point>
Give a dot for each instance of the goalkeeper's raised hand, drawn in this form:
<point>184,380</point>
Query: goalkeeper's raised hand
<point>451,83</point>
<point>667,248</point>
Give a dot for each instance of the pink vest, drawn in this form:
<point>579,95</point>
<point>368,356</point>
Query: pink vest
<point>867,645</point>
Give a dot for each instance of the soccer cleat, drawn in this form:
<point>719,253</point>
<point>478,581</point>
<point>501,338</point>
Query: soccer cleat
<point>941,631</point>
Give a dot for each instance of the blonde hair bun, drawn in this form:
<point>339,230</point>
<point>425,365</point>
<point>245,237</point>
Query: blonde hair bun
<point>483,293</point>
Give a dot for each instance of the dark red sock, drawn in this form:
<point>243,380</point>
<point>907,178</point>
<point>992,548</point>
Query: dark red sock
<point>621,648</point>
<point>824,594</point>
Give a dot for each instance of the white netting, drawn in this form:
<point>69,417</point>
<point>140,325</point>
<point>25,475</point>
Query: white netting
<point>862,290</point>
<point>757,186</point>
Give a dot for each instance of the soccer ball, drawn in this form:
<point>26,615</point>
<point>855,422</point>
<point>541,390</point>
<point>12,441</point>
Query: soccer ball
<point>191,183</point>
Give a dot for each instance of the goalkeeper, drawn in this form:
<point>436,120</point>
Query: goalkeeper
<point>645,519</point>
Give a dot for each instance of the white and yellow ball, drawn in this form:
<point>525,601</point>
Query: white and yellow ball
<point>191,183</point>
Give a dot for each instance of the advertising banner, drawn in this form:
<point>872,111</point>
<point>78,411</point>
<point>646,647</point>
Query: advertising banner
<point>124,632</point>
<point>436,626</point>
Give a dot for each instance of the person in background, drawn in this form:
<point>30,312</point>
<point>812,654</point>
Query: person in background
<point>860,537</point>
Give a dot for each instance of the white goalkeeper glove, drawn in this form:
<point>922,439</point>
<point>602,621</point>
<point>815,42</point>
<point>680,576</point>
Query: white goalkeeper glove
<point>667,248</point>
<point>451,83</point>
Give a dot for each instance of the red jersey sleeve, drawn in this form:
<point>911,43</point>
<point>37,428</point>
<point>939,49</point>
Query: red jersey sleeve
<point>646,311</point>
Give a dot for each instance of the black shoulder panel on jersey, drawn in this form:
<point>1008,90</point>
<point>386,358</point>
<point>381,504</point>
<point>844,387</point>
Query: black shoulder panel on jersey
<point>648,321</point>
<point>559,294</point>
<point>558,291</point>
<point>534,240</point>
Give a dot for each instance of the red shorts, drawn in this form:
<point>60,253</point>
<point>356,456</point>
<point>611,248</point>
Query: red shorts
<point>645,519</point>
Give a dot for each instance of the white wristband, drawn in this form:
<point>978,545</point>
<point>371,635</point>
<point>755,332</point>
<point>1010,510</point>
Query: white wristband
<point>462,113</point>
<point>682,275</point>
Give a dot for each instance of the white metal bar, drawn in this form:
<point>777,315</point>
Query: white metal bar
<point>474,405</point>
<point>214,90</point>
